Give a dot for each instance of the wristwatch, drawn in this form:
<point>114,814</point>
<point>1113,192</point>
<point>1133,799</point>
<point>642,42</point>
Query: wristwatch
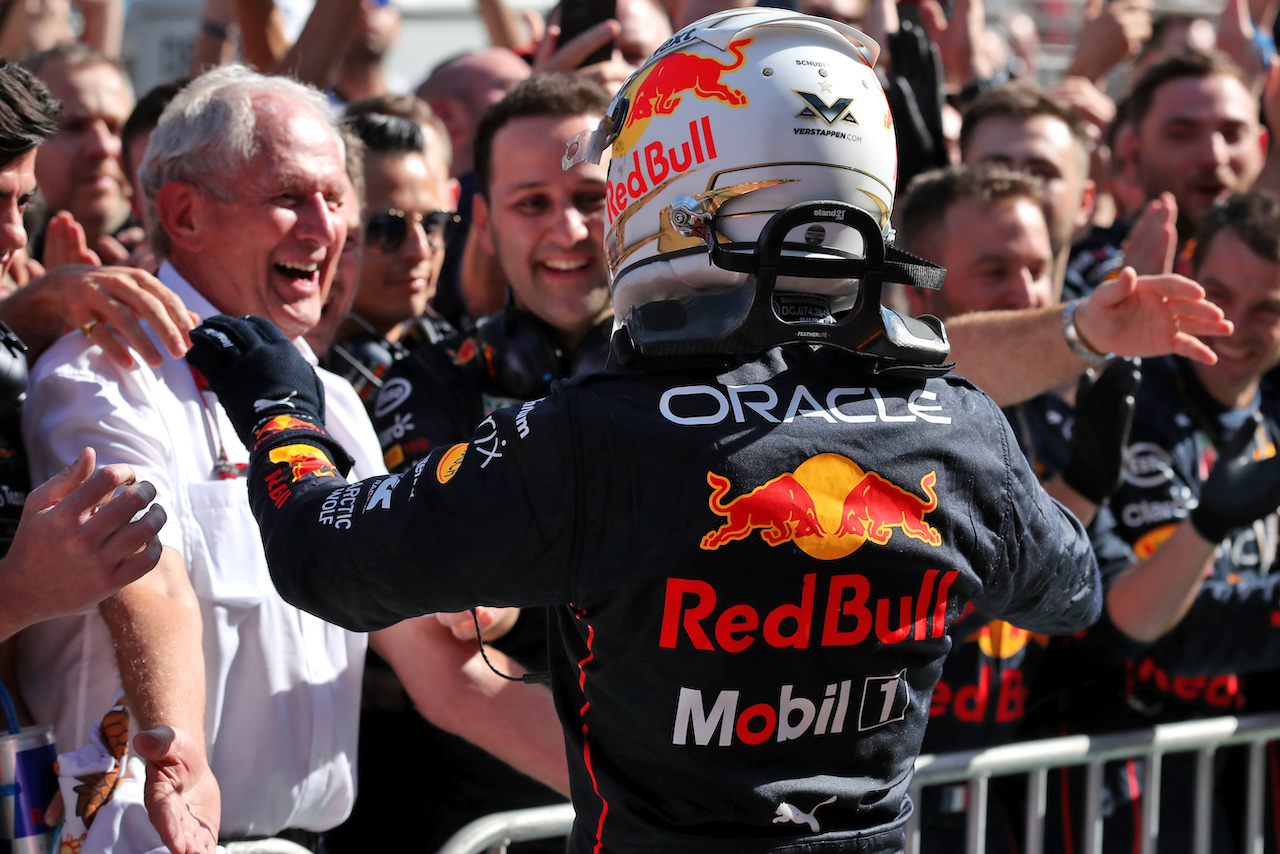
<point>1072,335</point>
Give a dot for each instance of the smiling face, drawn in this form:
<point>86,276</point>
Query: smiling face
<point>1246,286</point>
<point>17,187</point>
<point>546,225</point>
<point>272,249</point>
<point>997,258</point>
<point>1201,141</point>
<point>397,285</point>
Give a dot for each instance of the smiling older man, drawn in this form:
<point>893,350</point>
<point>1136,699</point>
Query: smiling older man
<point>245,179</point>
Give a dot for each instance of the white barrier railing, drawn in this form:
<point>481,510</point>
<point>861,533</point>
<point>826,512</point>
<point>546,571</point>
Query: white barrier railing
<point>1034,758</point>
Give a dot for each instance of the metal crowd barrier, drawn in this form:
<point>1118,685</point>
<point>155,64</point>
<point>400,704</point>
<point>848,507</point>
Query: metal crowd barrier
<point>494,833</point>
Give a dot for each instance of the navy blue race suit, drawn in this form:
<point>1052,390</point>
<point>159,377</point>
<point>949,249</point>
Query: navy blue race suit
<point>981,699</point>
<point>753,576</point>
<point>434,396</point>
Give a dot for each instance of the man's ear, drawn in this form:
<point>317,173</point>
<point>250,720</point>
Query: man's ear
<point>480,223</point>
<point>1088,199</point>
<point>182,211</point>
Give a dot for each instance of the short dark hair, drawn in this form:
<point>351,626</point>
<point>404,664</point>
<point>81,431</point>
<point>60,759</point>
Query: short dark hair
<point>1022,101</point>
<point>385,134</point>
<point>407,107</point>
<point>553,95</point>
<point>146,115</point>
<point>1185,62</point>
<point>922,213</point>
<point>28,112</point>
<point>1254,217</point>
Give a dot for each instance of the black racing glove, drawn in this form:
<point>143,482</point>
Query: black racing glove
<point>914,89</point>
<point>272,396</point>
<point>1104,417</point>
<point>1239,490</point>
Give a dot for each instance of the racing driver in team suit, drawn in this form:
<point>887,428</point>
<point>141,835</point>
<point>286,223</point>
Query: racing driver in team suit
<point>755,543</point>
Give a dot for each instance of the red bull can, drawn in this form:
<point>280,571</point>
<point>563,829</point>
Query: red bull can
<point>27,785</point>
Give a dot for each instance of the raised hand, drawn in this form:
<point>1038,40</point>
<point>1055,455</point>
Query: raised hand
<point>1134,315</point>
<point>1111,33</point>
<point>1153,241</point>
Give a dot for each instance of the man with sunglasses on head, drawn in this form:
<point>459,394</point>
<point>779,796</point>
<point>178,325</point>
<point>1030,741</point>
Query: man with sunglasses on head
<point>407,219</point>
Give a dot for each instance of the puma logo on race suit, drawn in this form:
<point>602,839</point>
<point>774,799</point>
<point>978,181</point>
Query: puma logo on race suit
<point>789,812</point>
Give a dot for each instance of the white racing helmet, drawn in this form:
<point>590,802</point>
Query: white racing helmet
<point>761,140</point>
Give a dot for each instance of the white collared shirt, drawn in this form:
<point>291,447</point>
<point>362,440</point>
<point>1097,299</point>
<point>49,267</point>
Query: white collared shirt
<point>283,687</point>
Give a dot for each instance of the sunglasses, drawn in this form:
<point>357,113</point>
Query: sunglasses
<point>385,232</point>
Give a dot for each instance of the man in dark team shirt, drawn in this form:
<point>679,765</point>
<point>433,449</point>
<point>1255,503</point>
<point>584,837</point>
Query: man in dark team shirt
<point>545,225</point>
<point>755,535</point>
<point>1192,606</point>
<point>986,225</point>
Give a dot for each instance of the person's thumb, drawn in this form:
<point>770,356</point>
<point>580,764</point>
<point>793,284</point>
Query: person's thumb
<point>1092,9</point>
<point>155,744</point>
<point>64,482</point>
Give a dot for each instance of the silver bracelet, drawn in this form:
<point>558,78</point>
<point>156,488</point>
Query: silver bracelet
<point>1072,335</point>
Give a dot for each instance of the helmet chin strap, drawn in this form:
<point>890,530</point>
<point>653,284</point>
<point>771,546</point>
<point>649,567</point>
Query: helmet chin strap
<point>746,320</point>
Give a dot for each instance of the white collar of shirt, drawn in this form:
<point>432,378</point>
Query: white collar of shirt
<point>196,301</point>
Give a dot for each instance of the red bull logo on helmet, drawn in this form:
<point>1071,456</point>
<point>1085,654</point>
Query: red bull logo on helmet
<point>660,91</point>
<point>828,507</point>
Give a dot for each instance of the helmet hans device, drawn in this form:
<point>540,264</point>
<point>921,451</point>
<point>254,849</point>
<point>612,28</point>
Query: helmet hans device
<point>759,141</point>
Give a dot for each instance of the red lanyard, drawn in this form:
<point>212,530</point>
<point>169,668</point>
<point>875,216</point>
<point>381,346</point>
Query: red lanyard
<point>223,468</point>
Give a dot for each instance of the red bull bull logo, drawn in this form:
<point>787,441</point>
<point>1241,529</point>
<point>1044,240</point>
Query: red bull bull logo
<point>660,91</point>
<point>828,507</point>
<point>1001,640</point>
<point>303,460</point>
<point>281,423</point>
<point>874,507</point>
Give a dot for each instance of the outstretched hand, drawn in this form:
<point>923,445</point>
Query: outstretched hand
<point>76,544</point>
<point>1134,315</point>
<point>110,304</point>
<point>181,795</point>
